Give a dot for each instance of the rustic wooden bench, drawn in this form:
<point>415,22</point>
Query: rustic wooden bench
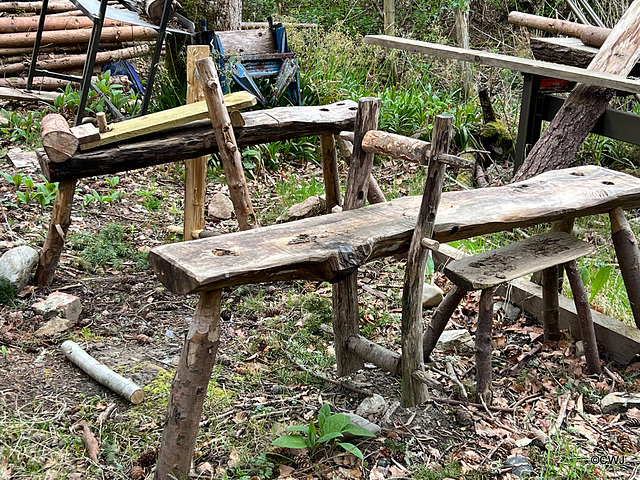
<point>332,247</point>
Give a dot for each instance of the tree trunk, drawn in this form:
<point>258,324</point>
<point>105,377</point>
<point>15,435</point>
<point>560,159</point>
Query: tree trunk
<point>68,22</point>
<point>228,14</point>
<point>586,104</point>
<point>58,37</point>
<point>57,139</point>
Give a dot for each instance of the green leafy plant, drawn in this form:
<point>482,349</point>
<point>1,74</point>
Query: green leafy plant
<point>150,199</point>
<point>96,197</point>
<point>23,127</point>
<point>43,193</point>
<point>331,428</point>
<point>7,292</point>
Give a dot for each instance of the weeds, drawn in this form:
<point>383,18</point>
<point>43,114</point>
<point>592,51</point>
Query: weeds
<point>23,128</point>
<point>28,190</point>
<point>108,248</point>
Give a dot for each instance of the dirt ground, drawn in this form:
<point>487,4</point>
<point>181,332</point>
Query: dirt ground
<point>276,369</point>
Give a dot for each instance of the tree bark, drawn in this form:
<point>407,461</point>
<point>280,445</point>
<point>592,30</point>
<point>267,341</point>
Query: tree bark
<point>381,357</point>
<point>585,320</point>
<point>227,14</point>
<point>413,391</point>
<point>30,24</point>
<point>226,140</point>
<point>484,372</point>
<point>330,172</point>
<point>57,139</point>
<point>68,62</point>
<point>58,227</point>
<point>589,35</point>
<point>189,389</point>
<point>58,37</point>
<point>52,7</point>
<point>585,104</point>
<point>551,306</point>
<point>626,245</point>
<point>440,319</point>
<point>346,317</point>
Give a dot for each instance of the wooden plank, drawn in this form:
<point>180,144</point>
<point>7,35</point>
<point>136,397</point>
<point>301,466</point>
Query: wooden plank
<point>536,67</point>
<point>330,247</point>
<point>166,119</point>
<point>9,93</point>
<point>198,138</point>
<point>533,254</point>
<point>248,42</point>
<point>566,51</point>
<point>620,341</point>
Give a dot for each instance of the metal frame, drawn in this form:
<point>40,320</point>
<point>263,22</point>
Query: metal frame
<point>538,105</point>
<point>97,17</point>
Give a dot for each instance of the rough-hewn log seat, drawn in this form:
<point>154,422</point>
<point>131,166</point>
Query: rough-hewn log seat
<point>332,246</point>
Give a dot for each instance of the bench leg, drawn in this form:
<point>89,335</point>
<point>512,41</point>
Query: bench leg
<point>626,245</point>
<point>550,304</point>
<point>58,227</point>
<point>330,171</point>
<point>484,373</point>
<point>189,389</point>
<point>585,321</point>
<point>440,319</point>
<point>346,323</point>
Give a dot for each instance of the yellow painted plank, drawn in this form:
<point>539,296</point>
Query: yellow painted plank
<point>173,117</point>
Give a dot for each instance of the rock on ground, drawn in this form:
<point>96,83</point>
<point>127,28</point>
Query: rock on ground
<point>458,340</point>
<point>619,402</point>
<point>61,304</point>
<point>432,295</point>
<point>372,405</point>
<point>220,206</point>
<point>54,326</point>
<point>17,265</point>
<point>307,208</point>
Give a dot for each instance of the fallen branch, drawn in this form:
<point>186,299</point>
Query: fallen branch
<point>101,373</point>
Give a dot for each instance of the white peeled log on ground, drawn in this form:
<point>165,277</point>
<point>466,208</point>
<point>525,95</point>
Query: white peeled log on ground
<point>101,373</point>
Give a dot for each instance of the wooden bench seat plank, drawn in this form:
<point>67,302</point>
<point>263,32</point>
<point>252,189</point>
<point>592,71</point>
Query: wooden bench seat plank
<point>332,246</point>
<point>533,254</point>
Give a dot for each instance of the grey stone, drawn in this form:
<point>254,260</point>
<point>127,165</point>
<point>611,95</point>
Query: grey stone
<point>432,295</point>
<point>619,402</point>
<point>520,466</point>
<point>307,208</point>
<point>458,340</point>
<point>54,326</point>
<point>220,206</point>
<point>372,405</point>
<point>60,304</point>
<point>579,349</point>
<point>358,421</point>
<point>511,311</point>
<point>18,264</point>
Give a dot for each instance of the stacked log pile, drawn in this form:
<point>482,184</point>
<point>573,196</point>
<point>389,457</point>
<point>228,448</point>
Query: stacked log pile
<point>64,41</point>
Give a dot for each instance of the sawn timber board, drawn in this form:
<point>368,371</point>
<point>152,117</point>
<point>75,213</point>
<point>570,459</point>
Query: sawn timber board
<point>329,247</point>
<point>158,121</point>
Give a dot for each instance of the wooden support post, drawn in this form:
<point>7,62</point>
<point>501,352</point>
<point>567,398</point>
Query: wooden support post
<point>413,391</point>
<point>585,320</point>
<point>626,245</point>
<point>462,34</point>
<point>345,145</point>
<point>195,170</point>
<point>330,171</point>
<point>58,227</point>
<point>440,319</point>
<point>361,161</point>
<point>189,389</point>
<point>551,306</point>
<point>346,319</point>
<point>389,15</point>
<point>484,373</point>
<point>226,140</point>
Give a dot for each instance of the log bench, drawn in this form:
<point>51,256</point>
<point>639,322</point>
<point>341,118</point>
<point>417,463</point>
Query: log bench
<point>332,247</point>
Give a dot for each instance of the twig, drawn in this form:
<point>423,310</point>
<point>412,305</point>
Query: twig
<point>372,291</point>
<point>562,413</point>
<point>492,452</point>
<point>106,413</point>
<point>467,404</point>
<point>612,377</point>
<point>484,404</point>
<point>344,385</point>
<point>452,376</point>
<point>525,400</point>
